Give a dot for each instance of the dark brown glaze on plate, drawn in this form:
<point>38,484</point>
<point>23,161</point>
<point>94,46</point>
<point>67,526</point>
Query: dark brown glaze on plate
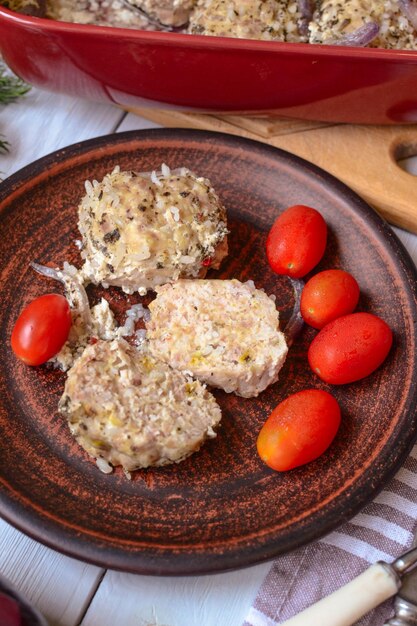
<point>222,508</point>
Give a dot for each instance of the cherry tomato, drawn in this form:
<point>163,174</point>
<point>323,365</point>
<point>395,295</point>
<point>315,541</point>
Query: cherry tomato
<point>299,429</point>
<point>296,241</point>
<point>328,295</point>
<point>41,329</point>
<point>9,611</point>
<point>350,348</point>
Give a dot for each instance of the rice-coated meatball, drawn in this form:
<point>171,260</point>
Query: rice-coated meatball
<point>143,230</point>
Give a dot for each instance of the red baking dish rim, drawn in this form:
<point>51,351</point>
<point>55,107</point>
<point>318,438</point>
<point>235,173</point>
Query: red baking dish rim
<point>207,42</point>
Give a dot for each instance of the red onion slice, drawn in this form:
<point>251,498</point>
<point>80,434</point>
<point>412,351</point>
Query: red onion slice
<point>156,23</point>
<point>409,8</point>
<point>359,37</point>
<point>306,9</point>
<point>74,289</point>
<point>296,322</point>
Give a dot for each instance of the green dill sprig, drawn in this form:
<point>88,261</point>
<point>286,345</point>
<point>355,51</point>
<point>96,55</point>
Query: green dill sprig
<point>4,145</point>
<point>11,87</point>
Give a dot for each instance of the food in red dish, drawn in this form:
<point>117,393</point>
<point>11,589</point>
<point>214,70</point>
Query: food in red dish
<point>388,24</point>
<point>377,23</point>
<point>169,13</point>
<point>316,82</point>
<point>279,20</point>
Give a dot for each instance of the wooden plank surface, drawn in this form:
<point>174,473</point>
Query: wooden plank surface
<point>269,127</point>
<point>364,157</point>
<point>216,600</point>
<point>61,588</point>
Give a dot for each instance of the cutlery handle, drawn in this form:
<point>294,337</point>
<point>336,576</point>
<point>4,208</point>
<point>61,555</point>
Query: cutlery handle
<point>346,605</point>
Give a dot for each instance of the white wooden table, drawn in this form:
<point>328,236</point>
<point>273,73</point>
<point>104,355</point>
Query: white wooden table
<point>66,591</point>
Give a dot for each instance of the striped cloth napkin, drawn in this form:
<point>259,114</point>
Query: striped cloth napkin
<point>382,531</point>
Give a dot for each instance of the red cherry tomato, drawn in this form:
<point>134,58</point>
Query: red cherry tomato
<point>299,429</point>
<point>328,295</point>
<point>296,241</point>
<point>350,348</point>
<point>41,329</point>
<point>9,611</point>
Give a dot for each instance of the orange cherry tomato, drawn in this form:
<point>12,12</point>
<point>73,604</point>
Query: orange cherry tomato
<point>296,241</point>
<point>299,429</point>
<point>41,329</point>
<point>327,296</point>
<point>350,348</point>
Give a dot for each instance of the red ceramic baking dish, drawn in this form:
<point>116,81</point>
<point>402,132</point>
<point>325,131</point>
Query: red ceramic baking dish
<point>139,68</point>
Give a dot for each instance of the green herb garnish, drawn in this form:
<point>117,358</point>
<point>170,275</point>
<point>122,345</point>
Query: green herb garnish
<point>11,87</point>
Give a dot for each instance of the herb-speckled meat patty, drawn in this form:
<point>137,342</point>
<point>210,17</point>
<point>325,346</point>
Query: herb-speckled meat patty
<point>226,333</point>
<point>124,407</point>
<point>143,230</point>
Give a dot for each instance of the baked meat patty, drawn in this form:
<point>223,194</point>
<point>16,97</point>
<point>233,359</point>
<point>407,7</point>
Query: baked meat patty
<point>224,332</point>
<point>124,407</point>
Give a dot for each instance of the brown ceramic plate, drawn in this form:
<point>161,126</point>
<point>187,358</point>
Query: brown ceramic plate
<point>221,508</point>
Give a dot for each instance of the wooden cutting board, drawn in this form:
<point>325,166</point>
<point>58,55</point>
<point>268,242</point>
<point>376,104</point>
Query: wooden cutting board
<point>364,157</point>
